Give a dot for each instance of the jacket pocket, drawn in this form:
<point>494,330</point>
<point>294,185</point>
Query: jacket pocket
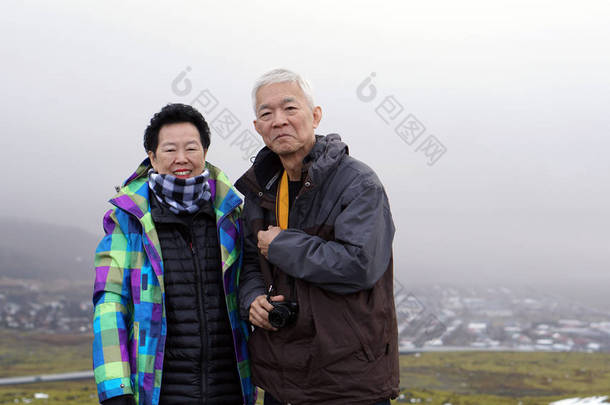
<point>355,328</point>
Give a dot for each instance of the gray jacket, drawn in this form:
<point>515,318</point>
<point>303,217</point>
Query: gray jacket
<point>338,250</point>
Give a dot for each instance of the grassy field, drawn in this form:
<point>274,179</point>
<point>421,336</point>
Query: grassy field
<point>457,378</point>
<point>498,378</point>
<point>33,354</point>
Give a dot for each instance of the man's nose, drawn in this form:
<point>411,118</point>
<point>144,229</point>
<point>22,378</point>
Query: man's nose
<point>279,119</point>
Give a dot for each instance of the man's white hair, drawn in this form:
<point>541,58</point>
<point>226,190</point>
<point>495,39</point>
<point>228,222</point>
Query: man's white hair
<point>282,76</point>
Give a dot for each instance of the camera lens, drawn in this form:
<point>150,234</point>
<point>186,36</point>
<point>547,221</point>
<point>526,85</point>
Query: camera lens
<point>278,316</point>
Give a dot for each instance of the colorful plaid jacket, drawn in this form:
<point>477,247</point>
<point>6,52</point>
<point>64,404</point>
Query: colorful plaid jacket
<point>129,321</point>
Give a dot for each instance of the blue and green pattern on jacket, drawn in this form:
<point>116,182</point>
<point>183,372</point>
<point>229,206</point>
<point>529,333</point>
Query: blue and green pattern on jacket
<point>129,319</point>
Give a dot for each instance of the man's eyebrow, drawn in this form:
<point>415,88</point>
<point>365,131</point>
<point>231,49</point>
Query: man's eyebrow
<point>284,101</point>
<point>263,106</point>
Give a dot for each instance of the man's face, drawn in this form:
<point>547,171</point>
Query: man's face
<point>284,119</point>
<point>179,152</point>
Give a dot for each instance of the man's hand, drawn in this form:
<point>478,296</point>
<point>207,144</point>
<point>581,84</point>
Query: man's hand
<point>266,237</point>
<point>259,311</point>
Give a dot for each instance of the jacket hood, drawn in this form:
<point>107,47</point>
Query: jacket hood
<point>133,198</point>
<point>324,157</point>
<point>133,195</point>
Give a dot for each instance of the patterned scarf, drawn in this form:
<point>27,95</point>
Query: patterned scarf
<point>182,196</point>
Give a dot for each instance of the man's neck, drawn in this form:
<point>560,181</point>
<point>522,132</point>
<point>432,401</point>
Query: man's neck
<point>293,163</point>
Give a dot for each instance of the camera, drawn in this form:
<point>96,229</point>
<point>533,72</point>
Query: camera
<point>284,313</point>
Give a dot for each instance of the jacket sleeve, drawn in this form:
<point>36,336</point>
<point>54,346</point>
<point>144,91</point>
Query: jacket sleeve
<point>360,252</point>
<point>251,282</point>
<point>113,309</point>
<point>120,400</point>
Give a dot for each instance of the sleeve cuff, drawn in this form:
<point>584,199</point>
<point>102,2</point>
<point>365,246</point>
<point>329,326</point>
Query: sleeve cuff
<point>120,400</point>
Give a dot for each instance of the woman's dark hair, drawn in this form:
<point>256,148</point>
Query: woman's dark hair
<point>172,114</point>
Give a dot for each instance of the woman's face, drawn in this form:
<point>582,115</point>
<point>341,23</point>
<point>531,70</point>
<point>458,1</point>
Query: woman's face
<point>179,152</point>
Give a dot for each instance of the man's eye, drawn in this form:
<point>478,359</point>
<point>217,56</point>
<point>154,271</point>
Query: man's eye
<point>264,115</point>
<point>169,150</point>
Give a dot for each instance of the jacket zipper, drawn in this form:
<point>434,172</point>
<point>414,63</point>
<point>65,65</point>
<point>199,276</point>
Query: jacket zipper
<point>199,292</point>
<point>202,331</point>
<point>241,243</point>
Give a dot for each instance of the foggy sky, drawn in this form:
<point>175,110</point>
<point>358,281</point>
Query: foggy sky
<point>518,92</point>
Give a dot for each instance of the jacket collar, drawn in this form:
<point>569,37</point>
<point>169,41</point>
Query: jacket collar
<point>324,157</point>
<point>133,196</point>
<point>162,214</point>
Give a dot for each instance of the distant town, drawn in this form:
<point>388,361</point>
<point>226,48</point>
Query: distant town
<point>26,305</point>
<point>499,318</point>
<point>432,318</point>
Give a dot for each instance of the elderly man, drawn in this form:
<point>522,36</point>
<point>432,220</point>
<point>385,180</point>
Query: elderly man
<point>317,282</point>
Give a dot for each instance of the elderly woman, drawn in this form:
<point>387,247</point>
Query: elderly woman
<point>166,328</point>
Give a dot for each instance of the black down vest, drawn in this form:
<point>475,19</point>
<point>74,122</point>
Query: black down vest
<point>199,365</point>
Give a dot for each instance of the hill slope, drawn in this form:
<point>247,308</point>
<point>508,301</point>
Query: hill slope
<point>35,250</point>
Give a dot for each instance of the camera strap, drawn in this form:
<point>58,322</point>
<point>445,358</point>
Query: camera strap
<point>293,294</point>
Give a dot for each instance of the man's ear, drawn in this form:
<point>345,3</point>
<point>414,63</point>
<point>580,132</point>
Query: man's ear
<point>255,122</point>
<point>317,116</point>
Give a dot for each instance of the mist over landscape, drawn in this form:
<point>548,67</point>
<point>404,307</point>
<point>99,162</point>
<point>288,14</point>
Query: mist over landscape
<point>34,251</point>
<point>517,94</point>
<point>487,122</point>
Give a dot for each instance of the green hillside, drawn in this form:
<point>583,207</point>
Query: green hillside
<point>457,378</point>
